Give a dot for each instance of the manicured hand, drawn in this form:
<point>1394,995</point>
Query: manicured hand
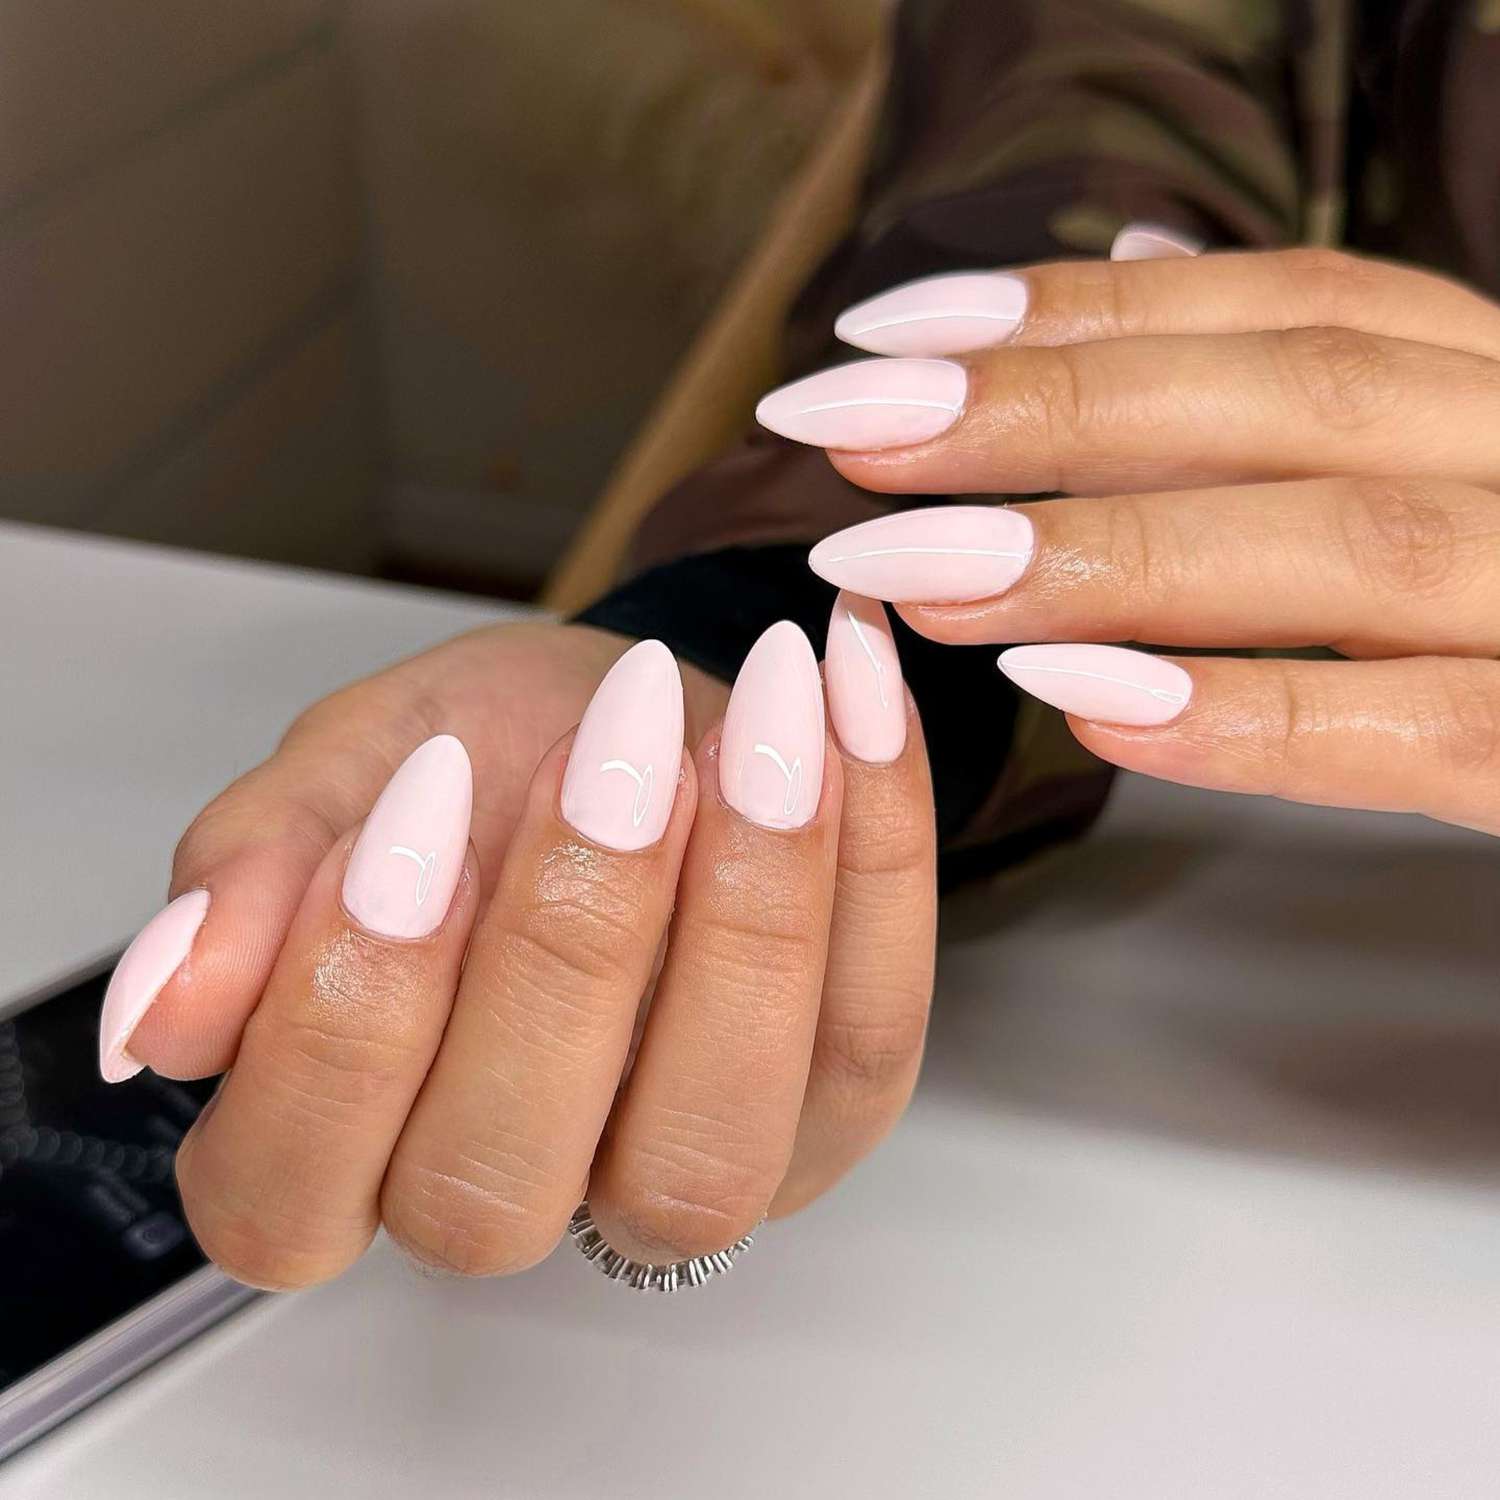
<point>1265,450</point>
<point>427,995</point>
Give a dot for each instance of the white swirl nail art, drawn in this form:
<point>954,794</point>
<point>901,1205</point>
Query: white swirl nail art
<point>644,780</point>
<point>793,774</point>
<point>426,867</point>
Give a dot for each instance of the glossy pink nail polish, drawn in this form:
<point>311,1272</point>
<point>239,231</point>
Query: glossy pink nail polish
<point>950,314</point>
<point>942,554</point>
<point>870,404</point>
<point>622,770</point>
<point>771,752</point>
<point>158,952</point>
<point>1111,684</point>
<point>866,698</point>
<point>1152,242</point>
<point>407,860</point>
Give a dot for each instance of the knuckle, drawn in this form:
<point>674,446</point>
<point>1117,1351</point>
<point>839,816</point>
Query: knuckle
<point>450,1223</point>
<point>254,1243</point>
<point>1305,717</point>
<point>893,840</point>
<point>1064,408</point>
<point>695,1182</point>
<point>699,1219</point>
<point>1343,376</point>
<point>877,1052</point>
<point>1331,286</point>
<point>1463,717</point>
<point>580,944</point>
<point>1402,536</point>
<point>1149,564</point>
<point>770,951</point>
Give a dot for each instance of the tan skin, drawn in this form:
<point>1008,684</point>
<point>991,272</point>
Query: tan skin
<point>1282,449</point>
<point>1298,448</point>
<point>464,1090</point>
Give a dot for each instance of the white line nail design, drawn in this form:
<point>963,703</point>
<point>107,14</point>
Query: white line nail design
<point>1162,695</point>
<point>875,665</point>
<point>643,784</point>
<point>426,867</point>
<point>793,774</point>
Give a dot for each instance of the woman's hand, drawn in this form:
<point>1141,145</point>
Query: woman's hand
<point>1289,449</point>
<point>427,1019</point>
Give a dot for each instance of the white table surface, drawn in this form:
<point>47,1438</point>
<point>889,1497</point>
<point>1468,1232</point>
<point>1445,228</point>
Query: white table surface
<point>1200,1196</point>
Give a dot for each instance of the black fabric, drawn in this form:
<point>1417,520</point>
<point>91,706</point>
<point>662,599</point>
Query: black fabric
<point>710,608</point>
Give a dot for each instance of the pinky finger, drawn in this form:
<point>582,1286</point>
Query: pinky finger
<point>1418,734</point>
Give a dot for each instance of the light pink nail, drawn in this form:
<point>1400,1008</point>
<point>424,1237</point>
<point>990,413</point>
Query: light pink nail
<point>1152,242</point>
<point>771,752</point>
<point>622,771</point>
<point>870,404</point>
<point>937,315</point>
<point>1109,683</point>
<point>158,952</point>
<point>866,700</point>
<point>943,554</point>
<point>407,860</point>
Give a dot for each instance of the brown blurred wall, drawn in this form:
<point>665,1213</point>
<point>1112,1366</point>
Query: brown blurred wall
<point>383,284</point>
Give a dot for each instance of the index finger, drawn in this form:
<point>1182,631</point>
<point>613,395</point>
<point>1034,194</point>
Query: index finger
<point>1075,302</point>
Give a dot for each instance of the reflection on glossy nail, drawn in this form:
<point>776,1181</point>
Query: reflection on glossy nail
<point>940,554</point>
<point>950,314</point>
<point>1111,684</point>
<point>158,952</point>
<point>868,405</point>
<point>866,698</point>
<point>771,751</point>
<point>622,771</point>
<point>407,860</point>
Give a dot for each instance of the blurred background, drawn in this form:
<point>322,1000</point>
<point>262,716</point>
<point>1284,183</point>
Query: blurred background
<point>379,286</point>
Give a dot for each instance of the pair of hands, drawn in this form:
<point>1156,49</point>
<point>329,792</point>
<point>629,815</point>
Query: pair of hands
<point>1307,449</point>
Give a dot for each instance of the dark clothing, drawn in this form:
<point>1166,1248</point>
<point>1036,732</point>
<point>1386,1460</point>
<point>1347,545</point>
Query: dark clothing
<point>1031,129</point>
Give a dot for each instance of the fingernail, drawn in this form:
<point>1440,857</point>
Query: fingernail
<point>942,554</point>
<point>1152,242</point>
<point>937,315</point>
<point>142,973</point>
<point>865,698</point>
<point>1108,683</point>
<point>622,771</point>
<point>870,404</point>
<point>771,751</point>
<point>406,862</point>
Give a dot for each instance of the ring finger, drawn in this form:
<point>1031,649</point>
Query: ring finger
<point>1369,567</point>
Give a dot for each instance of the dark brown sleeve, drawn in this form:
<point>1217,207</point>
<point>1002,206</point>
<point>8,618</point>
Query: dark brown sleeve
<point>1012,132</point>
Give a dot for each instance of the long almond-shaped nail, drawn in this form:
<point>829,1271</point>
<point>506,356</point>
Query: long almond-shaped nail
<point>622,770</point>
<point>870,404</point>
<point>158,952</point>
<point>938,315</point>
<point>1152,242</point>
<point>771,751</point>
<point>1109,683</point>
<point>942,554</point>
<point>407,860</point>
<point>866,700</point>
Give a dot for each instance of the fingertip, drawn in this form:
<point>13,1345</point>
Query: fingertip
<point>190,1028</point>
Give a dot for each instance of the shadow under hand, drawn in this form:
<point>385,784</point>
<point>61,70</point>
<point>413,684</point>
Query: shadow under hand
<point>1319,985</point>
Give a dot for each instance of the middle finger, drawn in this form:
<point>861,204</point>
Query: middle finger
<point>1158,412</point>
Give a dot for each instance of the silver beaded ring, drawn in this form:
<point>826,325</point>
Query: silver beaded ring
<point>639,1275</point>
